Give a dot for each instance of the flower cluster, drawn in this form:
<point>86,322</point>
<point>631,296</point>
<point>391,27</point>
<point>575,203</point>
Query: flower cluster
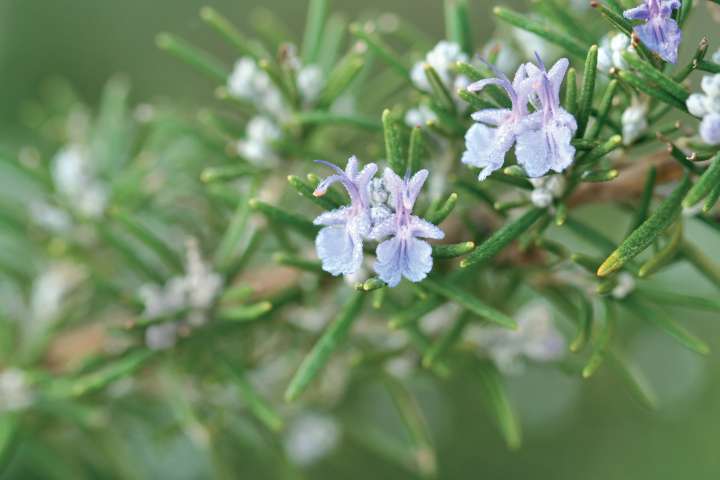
<point>541,138</point>
<point>610,52</point>
<point>660,32</point>
<point>250,83</point>
<point>380,211</point>
<point>536,339</point>
<point>442,58</point>
<point>707,106</point>
<point>195,292</point>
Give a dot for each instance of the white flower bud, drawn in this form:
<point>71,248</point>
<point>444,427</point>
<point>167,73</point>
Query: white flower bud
<point>625,286</point>
<point>634,122</point>
<point>696,104</point>
<point>311,437</point>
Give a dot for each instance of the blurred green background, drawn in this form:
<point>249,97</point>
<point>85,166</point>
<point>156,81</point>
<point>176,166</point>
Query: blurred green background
<point>574,429</point>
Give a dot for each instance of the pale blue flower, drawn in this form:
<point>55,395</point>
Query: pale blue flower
<point>487,142</point>
<point>404,254</point>
<point>544,139</point>
<point>660,33</point>
<point>340,244</point>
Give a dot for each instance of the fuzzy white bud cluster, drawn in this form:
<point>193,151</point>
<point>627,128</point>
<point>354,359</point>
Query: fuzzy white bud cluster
<point>546,190</point>
<point>610,52</point>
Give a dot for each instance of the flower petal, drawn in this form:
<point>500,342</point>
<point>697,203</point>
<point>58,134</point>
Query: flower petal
<point>491,116</point>
<point>710,129</point>
<point>389,261</point>
<point>339,216</point>
<point>640,12</point>
<point>486,147</point>
<point>340,251</point>
<point>662,36</point>
<point>384,229</point>
<point>418,260</point>
<point>423,229</point>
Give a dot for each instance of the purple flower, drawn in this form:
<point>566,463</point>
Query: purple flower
<point>487,142</point>
<point>404,254</point>
<point>544,142</point>
<point>339,244</point>
<point>710,129</point>
<point>660,33</point>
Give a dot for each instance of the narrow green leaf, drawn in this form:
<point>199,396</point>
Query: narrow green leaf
<point>416,152</point>
<point>710,67</point>
<point>684,12</point>
<point>499,404</point>
<point>305,190</point>
<point>694,61</point>
<point>646,233</point>
<point>457,24</point>
<point>415,312</point>
<point>585,324</point>
<point>643,86</point>
<point>393,143</point>
<point>664,255</point>
<point>601,342</point>
<point>298,262</point>
<point>257,405</point>
<point>228,173</point>
<point>664,322</point>
<point>570,44</point>
<point>599,175</point>
<point>601,150</point>
<point>330,340</point>
<point>228,31</point>
<point>444,211</point>
<point>124,248</point>
<point>446,341</point>
<point>231,240</point>
<point>439,89</point>
<point>705,184</point>
<point>469,302</point>
<point>560,15</point>
<point>501,238</point>
<point>588,90</point>
<point>244,313</point>
<point>645,200</point>
<point>701,262</point>
<point>340,79</point>
<point>102,377</point>
<point>634,378</point>
<point>150,240</point>
<point>200,60</point>
<point>602,113</point>
<point>657,77</point>
<point>278,216</point>
<point>416,426</point>
<point>314,28</point>
<point>671,298</point>
<point>452,250</point>
<point>334,119</point>
<point>712,198</point>
<point>381,49</point>
<point>571,102</point>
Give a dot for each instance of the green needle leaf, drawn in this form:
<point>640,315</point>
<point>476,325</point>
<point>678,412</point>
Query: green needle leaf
<point>570,103</point>
<point>314,29</point>
<point>393,143</point>
<point>665,255</point>
<point>588,89</point>
<point>457,24</point>
<point>571,44</point>
<point>634,378</point>
<point>306,191</point>
<point>228,173</point>
<point>646,233</point>
<point>334,119</point>
<point>602,114</point>
<point>416,152</point>
<point>452,250</point>
<point>664,322</point>
<point>439,89</point>
<point>298,262</point>
<point>257,405</point>
<point>444,211</point>
<point>330,340</point>
<point>705,184</point>
<point>414,313</point>
<point>502,238</point>
<point>244,313</point>
<point>601,342</point>
<point>381,49</point>
<point>150,240</point>
<point>282,217</point>
<point>469,302</point>
<point>200,60</point>
<point>446,342</point>
<point>671,298</point>
<point>655,76</point>
<point>340,79</point>
<point>599,175</point>
<point>228,31</point>
<point>498,403</point>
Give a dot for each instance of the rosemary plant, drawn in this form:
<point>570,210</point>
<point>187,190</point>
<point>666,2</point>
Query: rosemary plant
<point>358,206</point>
